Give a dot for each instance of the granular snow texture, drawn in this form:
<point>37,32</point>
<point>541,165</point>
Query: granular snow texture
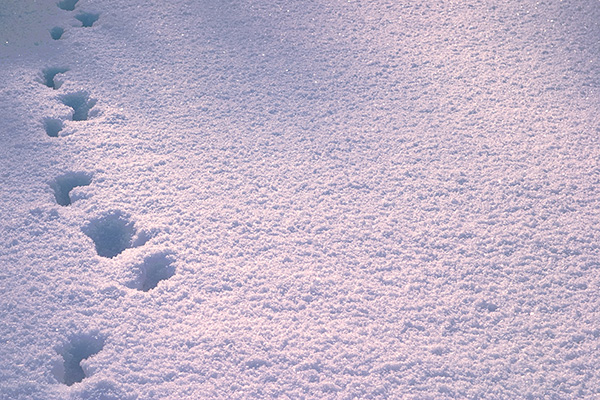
<point>243,199</point>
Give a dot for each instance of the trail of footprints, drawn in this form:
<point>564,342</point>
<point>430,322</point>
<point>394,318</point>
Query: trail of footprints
<point>112,233</point>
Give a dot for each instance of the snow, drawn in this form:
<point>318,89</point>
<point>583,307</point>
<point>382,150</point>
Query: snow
<point>305,200</point>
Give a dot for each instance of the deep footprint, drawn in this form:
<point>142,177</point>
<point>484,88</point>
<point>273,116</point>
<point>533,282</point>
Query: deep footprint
<point>87,19</point>
<point>56,32</point>
<point>53,126</point>
<point>48,75</point>
<point>80,102</point>
<point>154,269</point>
<point>67,5</point>
<point>63,185</point>
<point>113,233</point>
<point>76,350</point>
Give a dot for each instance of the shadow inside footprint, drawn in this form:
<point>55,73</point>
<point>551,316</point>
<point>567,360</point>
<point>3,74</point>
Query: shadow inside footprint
<point>77,349</point>
<point>87,19</point>
<point>154,269</point>
<point>67,5</point>
<point>113,233</point>
<point>80,103</point>
<point>56,32</point>
<point>52,126</point>
<point>63,185</point>
<point>48,75</point>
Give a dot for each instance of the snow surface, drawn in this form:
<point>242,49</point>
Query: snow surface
<point>238,199</point>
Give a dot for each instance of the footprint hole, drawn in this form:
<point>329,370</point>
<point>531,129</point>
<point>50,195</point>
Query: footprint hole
<point>80,102</point>
<point>63,185</point>
<point>52,126</point>
<point>56,32</point>
<point>87,19</point>
<point>78,348</point>
<point>67,5</point>
<point>151,271</point>
<point>49,75</point>
<point>111,233</point>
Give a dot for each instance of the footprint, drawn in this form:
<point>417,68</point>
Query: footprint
<point>87,19</point>
<point>151,271</point>
<point>53,126</point>
<point>56,32</point>
<point>48,75</point>
<point>63,185</point>
<point>67,5</point>
<point>80,102</point>
<point>78,348</point>
<point>113,233</point>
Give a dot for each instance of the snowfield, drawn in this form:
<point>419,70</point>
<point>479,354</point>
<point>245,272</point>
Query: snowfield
<point>320,199</point>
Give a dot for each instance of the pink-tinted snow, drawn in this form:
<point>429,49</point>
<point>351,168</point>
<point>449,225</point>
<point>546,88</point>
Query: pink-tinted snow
<point>244,199</point>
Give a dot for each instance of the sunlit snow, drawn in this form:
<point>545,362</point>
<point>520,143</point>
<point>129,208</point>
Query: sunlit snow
<point>243,199</point>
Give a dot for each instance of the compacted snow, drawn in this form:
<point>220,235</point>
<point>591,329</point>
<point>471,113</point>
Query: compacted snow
<point>237,199</point>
